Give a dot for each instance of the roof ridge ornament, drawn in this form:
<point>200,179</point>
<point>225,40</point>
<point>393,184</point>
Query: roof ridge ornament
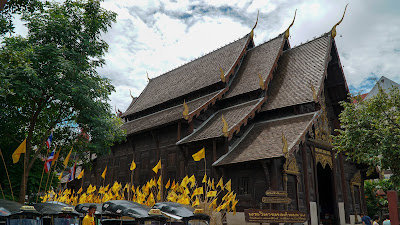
<point>255,25</point>
<point>287,30</point>
<point>314,93</point>
<point>222,76</point>
<point>225,126</point>
<point>333,31</point>
<point>148,78</point>
<point>262,85</point>
<point>185,112</point>
<point>285,149</point>
<point>130,93</point>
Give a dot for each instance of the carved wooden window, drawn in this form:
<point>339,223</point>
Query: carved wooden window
<point>243,185</point>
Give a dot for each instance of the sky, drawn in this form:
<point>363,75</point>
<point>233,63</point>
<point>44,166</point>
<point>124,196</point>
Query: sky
<point>155,37</point>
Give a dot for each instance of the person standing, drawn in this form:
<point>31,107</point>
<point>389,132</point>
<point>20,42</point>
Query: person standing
<point>366,220</point>
<point>89,218</point>
<point>376,220</point>
<point>386,220</point>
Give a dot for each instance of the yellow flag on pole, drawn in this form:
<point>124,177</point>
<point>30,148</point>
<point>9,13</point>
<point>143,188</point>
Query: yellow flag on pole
<point>211,193</point>
<point>133,165</point>
<point>199,155</point>
<point>103,175</point>
<point>228,186</point>
<point>59,178</point>
<point>168,184</point>
<point>67,158</point>
<point>81,174</point>
<point>56,156</point>
<point>204,179</point>
<point>17,153</point>
<point>157,167</point>
<point>220,184</point>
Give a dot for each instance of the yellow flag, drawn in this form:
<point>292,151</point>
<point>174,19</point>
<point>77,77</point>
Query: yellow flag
<point>173,185</point>
<point>220,184</point>
<point>168,184</point>
<point>199,155</point>
<point>103,175</point>
<point>204,179</point>
<point>159,196</point>
<point>80,190</point>
<point>192,181</point>
<point>133,165</point>
<point>159,181</point>
<point>157,167</point>
<point>213,203</point>
<point>56,156</point>
<point>67,158</point>
<point>17,153</point>
<point>81,174</point>
<point>59,178</point>
<point>195,203</point>
<point>212,184</point>
<point>228,186</point>
<point>211,193</point>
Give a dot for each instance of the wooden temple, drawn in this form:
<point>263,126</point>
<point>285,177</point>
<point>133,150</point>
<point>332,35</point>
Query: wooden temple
<point>281,106</point>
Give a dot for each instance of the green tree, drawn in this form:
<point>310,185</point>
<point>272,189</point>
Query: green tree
<point>52,85</point>
<point>370,132</point>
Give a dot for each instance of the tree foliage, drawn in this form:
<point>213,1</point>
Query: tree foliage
<point>52,84</point>
<point>374,201</point>
<point>370,132</point>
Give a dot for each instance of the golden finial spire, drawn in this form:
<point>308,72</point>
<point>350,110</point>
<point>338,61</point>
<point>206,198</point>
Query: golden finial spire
<point>285,146</point>
<point>185,112</point>
<point>222,75</point>
<point>287,30</point>
<point>262,85</point>
<point>314,93</point>
<point>224,127</point>
<point>333,32</point>
<point>148,78</point>
<point>252,30</point>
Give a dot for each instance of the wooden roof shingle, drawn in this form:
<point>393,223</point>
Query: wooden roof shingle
<point>190,77</point>
<point>297,69</point>
<point>235,116</point>
<point>261,59</point>
<point>264,139</point>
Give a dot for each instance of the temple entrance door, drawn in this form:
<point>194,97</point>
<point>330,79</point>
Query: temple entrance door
<point>326,208</point>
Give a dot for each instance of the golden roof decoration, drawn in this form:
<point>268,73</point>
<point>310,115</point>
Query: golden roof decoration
<point>314,92</point>
<point>255,25</point>
<point>222,74</point>
<point>224,127</point>
<point>148,78</point>
<point>185,112</point>
<point>130,93</point>
<point>287,30</point>
<point>285,148</point>
<point>262,85</point>
<point>333,31</point>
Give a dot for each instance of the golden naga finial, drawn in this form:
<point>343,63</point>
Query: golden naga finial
<point>222,75</point>
<point>285,149</point>
<point>262,85</point>
<point>314,93</point>
<point>148,78</point>
<point>287,30</point>
<point>224,127</point>
<point>252,30</point>
<point>333,32</point>
<point>185,112</point>
<point>130,93</point>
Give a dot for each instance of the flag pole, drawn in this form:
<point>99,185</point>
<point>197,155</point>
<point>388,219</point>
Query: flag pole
<point>2,192</point>
<point>51,181</point>
<point>41,178</point>
<point>48,177</point>
<point>9,181</point>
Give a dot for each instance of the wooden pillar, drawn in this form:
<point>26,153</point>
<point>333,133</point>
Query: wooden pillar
<point>335,191</point>
<point>316,180</point>
<point>305,177</point>
<point>191,127</point>
<point>344,183</point>
<point>393,210</point>
<point>178,132</point>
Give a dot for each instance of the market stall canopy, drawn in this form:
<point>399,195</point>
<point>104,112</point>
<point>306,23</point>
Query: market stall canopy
<point>8,208</point>
<point>179,211</point>
<point>55,208</point>
<point>130,209</point>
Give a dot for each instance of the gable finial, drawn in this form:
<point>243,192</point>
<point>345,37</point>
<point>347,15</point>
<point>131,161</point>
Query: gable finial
<point>287,30</point>
<point>252,30</point>
<point>148,78</point>
<point>285,149</point>
<point>130,93</point>
<point>333,31</point>
<point>222,75</point>
<point>261,82</point>
<point>224,126</point>
<point>185,112</point>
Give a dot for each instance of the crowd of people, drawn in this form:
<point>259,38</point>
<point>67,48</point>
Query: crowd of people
<point>366,220</point>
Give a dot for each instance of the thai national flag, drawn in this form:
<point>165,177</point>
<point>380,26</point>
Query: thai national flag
<point>72,173</point>
<point>49,160</point>
<point>49,140</point>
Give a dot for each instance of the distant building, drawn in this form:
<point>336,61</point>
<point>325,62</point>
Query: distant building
<point>385,83</point>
